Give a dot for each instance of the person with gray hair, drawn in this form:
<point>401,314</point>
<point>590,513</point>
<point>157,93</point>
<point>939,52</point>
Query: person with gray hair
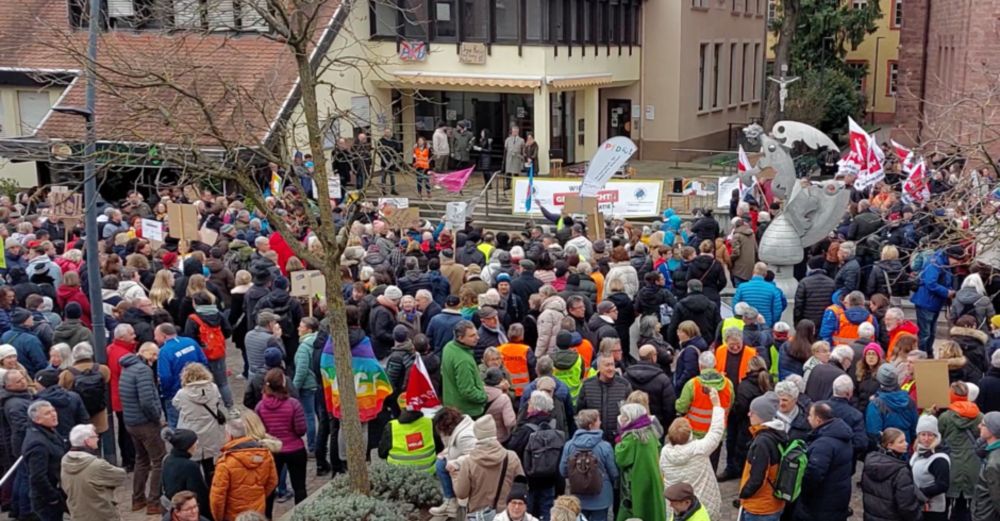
<point>604,392</point>
<point>819,386</point>
<point>81,377</point>
<point>849,275</point>
<point>792,413</point>
<point>266,334</point>
<point>840,404</point>
<point>42,451</point>
<point>89,481</point>
<point>587,439</point>
<point>694,402</point>
<point>541,489</point>
<point>841,324</point>
<point>414,279</point>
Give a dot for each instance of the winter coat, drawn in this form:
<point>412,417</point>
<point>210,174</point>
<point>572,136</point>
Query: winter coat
<point>285,419</point>
<point>888,490</point>
<point>468,254</point>
<point>90,483</point>
<point>973,343</point>
<point>441,329</point>
<point>705,228</point>
<point>843,409</point>
<point>989,391</point>
<point>984,505</point>
<point>601,329</point>
<point>67,294</point>
<point>830,326</point>
<point>176,353</point>
<point>414,281</point>
<point>14,424</point>
<point>826,487</point>
<point>69,407</point>
<point>968,301</point>
<point>819,386</point>
<point>744,254</point>
<point>699,309</point>
<point>549,324</point>
<point>455,273</point>
<point>525,285</point>
<point>519,438</point>
<point>961,370</point>
<point>889,278</point>
<point>641,483</point>
<point>712,275</point>
<point>848,277</point>
<point>43,450</point>
<point>626,316</point>
<point>461,442</point>
<point>812,296</point>
<point>244,476</point>
<point>257,341</point>
<point>690,463</point>
<point>304,379</point>
<point>650,297</point>
<point>181,473</point>
<point>30,352</point>
<point>763,296</point>
<point>602,450</point>
<point>606,397</point>
<point>687,361</point>
<point>739,423</point>
<point>650,378</point>
<point>959,426</point>
<point>137,389</point>
<point>499,406</point>
<point>935,283</point>
<point>891,409</point>
<point>479,474</point>
<point>198,403</point>
<point>140,322</point>
<point>67,378</point>
<point>462,386</point>
<point>627,274</point>
<point>381,322</point>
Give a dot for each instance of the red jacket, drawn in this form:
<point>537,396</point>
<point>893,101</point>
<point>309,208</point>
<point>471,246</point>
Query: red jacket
<point>116,351</point>
<point>283,250</point>
<point>66,294</point>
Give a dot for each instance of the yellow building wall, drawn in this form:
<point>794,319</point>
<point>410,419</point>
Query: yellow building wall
<point>878,51</point>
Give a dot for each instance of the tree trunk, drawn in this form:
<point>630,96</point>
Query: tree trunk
<point>782,55</point>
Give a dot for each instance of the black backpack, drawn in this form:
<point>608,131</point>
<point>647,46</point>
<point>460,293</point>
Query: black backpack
<point>543,451</point>
<point>90,386</point>
<point>584,473</point>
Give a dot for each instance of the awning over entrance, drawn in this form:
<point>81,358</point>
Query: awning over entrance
<point>417,78</point>
<point>577,81</point>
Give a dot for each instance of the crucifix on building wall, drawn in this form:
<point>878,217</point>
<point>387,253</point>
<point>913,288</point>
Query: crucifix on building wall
<point>783,82</point>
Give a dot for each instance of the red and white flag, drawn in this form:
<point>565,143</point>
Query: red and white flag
<point>743,162</point>
<point>864,159</point>
<point>904,154</point>
<point>420,392</point>
<point>915,189</point>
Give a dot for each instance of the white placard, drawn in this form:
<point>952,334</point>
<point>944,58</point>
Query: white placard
<point>650,112</point>
<point>333,185</point>
<point>396,202</point>
<point>620,198</point>
<point>725,192</point>
<point>454,215</point>
<point>152,230</point>
<point>610,157</point>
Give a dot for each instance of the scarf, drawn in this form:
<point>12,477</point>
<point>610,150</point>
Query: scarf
<point>641,422</point>
<point>501,337</point>
<point>206,309</point>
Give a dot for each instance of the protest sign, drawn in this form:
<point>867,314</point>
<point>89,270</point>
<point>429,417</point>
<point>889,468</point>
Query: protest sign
<point>301,283</point>
<point>931,377</point>
<point>610,157</point>
<point>619,198</point>
<point>396,203</point>
<point>454,215</point>
<point>152,230</point>
<point>404,219</point>
<point>183,219</point>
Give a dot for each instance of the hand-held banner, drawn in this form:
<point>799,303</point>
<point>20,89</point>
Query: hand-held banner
<point>610,157</point>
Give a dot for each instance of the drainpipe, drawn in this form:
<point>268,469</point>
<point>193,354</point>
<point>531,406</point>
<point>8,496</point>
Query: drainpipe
<point>642,84</point>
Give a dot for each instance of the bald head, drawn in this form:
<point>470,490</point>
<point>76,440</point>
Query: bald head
<point>647,353</point>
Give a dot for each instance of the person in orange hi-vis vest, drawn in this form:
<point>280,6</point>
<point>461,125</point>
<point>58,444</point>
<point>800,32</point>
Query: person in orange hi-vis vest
<point>694,402</point>
<point>422,163</point>
<point>518,359</point>
<point>732,357</point>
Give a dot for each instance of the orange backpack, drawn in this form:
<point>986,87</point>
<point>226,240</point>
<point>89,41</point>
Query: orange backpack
<point>213,342</point>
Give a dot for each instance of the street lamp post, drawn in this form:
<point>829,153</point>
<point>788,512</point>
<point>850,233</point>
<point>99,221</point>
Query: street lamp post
<point>878,40</point>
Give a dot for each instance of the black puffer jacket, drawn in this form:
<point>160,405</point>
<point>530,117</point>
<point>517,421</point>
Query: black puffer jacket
<point>890,271</point>
<point>650,297</point>
<point>601,329</point>
<point>680,278</point>
<point>712,275</point>
<point>813,295</point>
<point>606,397</point>
<point>650,378</point>
<point>973,343</point>
<point>888,490</point>
<point>699,309</point>
<point>705,229</point>
<point>467,254</point>
<point>414,281</point>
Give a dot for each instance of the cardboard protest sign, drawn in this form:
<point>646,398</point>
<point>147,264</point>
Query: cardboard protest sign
<point>317,284</point>
<point>404,219</point>
<point>301,283</point>
<point>207,235</point>
<point>396,203</point>
<point>183,220</point>
<point>587,206</point>
<point>64,204</point>
<point>931,377</point>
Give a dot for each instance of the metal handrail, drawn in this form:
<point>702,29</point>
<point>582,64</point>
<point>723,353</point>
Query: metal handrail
<point>10,471</point>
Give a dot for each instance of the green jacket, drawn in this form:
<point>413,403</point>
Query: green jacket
<point>305,380</point>
<point>959,432</point>
<point>463,389</point>
<point>641,483</point>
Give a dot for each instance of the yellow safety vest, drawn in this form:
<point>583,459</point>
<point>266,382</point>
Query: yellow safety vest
<point>571,377</point>
<point>698,515</point>
<point>731,322</point>
<point>413,444</point>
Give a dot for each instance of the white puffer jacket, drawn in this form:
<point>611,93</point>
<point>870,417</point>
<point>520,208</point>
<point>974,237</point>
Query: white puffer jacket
<point>690,463</point>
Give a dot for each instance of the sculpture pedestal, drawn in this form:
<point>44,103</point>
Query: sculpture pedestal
<point>784,278</point>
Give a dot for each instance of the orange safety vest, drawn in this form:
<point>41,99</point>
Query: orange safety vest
<point>421,157</point>
<point>721,353</point>
<point>847,331</point>
<point>586,352</point>
<point>515,360</point>
<point>699,413</point>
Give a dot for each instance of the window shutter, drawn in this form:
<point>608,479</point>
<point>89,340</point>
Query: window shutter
<point>187,14</point>
<point>120,8</point>
<point>221,15</point>
<point>250,18</point>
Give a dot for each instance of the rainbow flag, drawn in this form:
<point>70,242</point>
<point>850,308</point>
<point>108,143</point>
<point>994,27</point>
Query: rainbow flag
<point>370,381</point>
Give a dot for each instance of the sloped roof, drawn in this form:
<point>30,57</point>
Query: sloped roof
<point>232,86</point>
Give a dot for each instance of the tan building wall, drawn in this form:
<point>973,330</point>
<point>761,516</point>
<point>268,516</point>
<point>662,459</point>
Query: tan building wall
<point>20,108</point>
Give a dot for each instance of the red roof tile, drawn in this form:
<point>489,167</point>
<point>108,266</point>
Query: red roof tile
<point>243,80</point>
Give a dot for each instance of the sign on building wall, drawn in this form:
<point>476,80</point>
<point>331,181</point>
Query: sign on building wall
<point>625,198</point>
<point>412,51</point>
<point>472,53</point>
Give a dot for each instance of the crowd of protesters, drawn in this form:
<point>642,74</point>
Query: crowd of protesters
<point>578,379</point>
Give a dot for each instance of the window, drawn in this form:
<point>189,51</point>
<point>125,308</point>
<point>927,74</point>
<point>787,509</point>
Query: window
<point>445,23</point>
<point>699,3</point>
<point>535,21</point>
<point>732,72</point>
<point>743,73</point>
<point>897,14</point>
<point>858,71</point>
<point>702,56</point>
<point>557,20</point>
<point>588,20</point>
<point>859,4</point>
<point>736,6</point>
<point>893,78</point>
<point>415,19</point>
<point>772,9</point>
<point>637,23</point>
<point>32,107</point>
<point>475,19</point>
<point>756,56</point>
<point>386,14</point>
<point>716,55</point>
<point>506,19</point>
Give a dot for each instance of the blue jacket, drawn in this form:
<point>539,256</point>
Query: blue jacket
<point>787,365</point>
<point>763,296</point>
<point>826,486</point>
<point>891,409</point>
<point>69,408</point>
<point>593,441</point>
<point>4,320</point>
<point>687,362</point>
<point>562,394</point>
<point>174,355</point>
<point>830,325</point>
<point>441,329</point>
<point>440,287</point>
<point>855,420</point>
<point>30,352</point>
<point>935,282</point>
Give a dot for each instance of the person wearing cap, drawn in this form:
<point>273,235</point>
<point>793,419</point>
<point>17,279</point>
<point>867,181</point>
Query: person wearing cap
<point>568,363</point>
<point>30,352</point>
<point>491,333</point>
<point>266,334</point>
<point>179,471</point>
<point>698,308</point>
<point>477,477</point>
<point>684,503</point>
<point>382,320</point>
<point>525,284</point>
<point>289,311</point>
<point>989,387</point>
<point>461,385</point>
<point>756,492</point>
<point>498,404</point>
<point>890,406</point>
<point>89,481</point>
<point>273,357</point>
<point>931,467</point>
<point>933,292</point>
<point>826,486</point>
<point>517,503</point>
<point>986,498</point>
<point>516,308</point>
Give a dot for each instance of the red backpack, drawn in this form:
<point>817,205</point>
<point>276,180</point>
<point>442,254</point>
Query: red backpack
<point>213,342</point>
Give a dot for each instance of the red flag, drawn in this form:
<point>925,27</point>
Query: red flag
<point>865,158</point>
<point>902,152</point>
<point>420,392</point>
<point>915,187</point>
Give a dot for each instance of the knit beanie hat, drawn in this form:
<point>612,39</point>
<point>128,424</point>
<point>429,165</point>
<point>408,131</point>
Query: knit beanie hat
<point>273,357</point>
<point>485,428</point>
<point>992,422</point>
<point>888,377</point>
<point>7,350</point>
<point>874,346</point>
<point>765,406</point>
<point>393,293</point>
<point>73,311</point>
<point>973,392</point>
<point>493,377</point>
<point>19,316</point>
<point>181,439</point>
<point>518,490</point>
<point>928,423</point>
<point>400,333</point>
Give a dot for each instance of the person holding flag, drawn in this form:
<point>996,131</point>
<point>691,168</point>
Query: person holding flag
<point>408,441</point>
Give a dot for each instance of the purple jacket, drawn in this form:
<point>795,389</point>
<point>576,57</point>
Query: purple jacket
<point>284,419</point>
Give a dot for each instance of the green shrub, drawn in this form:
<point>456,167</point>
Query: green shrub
<point>392,483</point>
<point>354,507</point>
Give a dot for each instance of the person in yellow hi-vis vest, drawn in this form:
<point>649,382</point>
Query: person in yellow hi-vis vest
<point>568,363</point>
<point>408,441</point>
